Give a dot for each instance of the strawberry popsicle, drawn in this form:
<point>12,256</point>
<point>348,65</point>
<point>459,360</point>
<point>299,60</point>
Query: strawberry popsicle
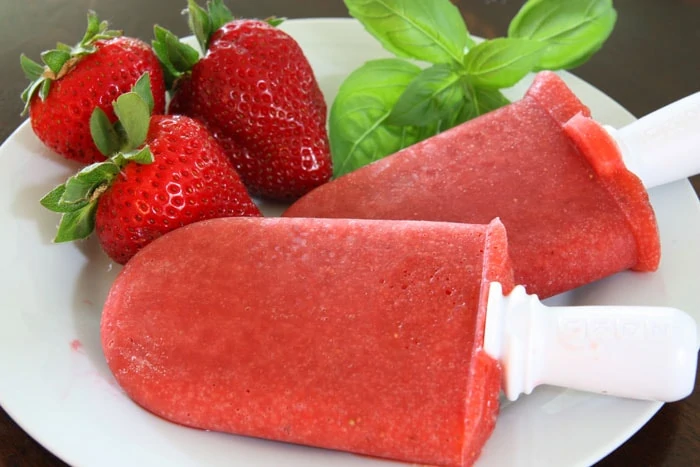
<point>357,335</point>
<point>555,178</point>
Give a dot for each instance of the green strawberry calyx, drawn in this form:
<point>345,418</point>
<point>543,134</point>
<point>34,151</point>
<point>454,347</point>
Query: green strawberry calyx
<point>178,58</point>
<point>122,142</point>
<point>60,61</point>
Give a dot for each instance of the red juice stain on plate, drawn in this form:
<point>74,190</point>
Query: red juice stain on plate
<point>76,345</point>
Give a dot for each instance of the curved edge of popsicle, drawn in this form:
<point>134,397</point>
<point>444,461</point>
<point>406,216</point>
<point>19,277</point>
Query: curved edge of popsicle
<point>602,152</point>
<point>555,97</point>
<point>497,267</point>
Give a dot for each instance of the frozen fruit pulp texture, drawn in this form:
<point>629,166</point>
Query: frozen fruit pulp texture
<point>358,335</point>
<point>555,178</point>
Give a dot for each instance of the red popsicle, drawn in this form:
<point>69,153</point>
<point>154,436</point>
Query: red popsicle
<point>555,177</point>
<point>358,335</point>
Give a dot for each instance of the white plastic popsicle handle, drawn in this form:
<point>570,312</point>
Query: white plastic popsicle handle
<point>646,353</point>
<point>663,146</point>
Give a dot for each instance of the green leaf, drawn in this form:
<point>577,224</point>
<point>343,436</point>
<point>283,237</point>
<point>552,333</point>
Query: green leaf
<point>51,200</point>
<point>77,224</point>
<point>432,96</point>
<point>55,59</point>
<point>79,188</point>
<point>32,70</point>
<point>219,15</point>
<point>93,26</point>
<point>462,112</point>
<point>176,57</point>
<point>29,91</point>
<point>96,30</point>
<point>44,88</point>
<point>63,47</point>
<point>275,21</point>
<point>501,63</point>
<point>139,156</point>
<point>358,131</point>
<point>573,30</point>
<point>485,100</point>
<point>103,133</point>
<point>432,31</point>
<point>199,23</point>
<point>142,87</point>
<point>134,118</point>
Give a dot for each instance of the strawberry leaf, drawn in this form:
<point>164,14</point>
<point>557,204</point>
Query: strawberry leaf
<point>142,87</point>
<point>219,15</point>
<point>96,30</point>
<point>274,21</point>
<point>77,224</point>
<point>55,59</point>
<point>103,133</point>
<point>176,57</point>
<point>32,70</point>
<point>199,23</point>
<point>134,118</point>
<point>203,23</point>
<point>44,89</point>
<point>51,200</point>
<point>80,188</point>
<point>93,27</point>
<point>140,156</point>
<point>29,91</point>
<point>133,111</point>
<point>63,47</point>
<point>60,60</point>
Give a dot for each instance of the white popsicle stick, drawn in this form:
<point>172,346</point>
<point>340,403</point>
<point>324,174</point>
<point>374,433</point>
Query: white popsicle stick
<point>646,353</point>
<point>663,146</point>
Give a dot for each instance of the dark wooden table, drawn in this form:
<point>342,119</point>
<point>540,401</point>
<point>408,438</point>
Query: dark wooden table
<point>652,59</point>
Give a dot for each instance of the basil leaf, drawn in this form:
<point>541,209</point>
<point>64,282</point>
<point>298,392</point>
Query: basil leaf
<point>572,30</point>
<point>485,100</point>
<point>430,97</point>
<point>357,127</point>
<point>501,63</point>
<point>432,31</point>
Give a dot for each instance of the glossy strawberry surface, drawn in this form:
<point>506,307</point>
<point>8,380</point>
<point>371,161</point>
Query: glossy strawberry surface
<point>257,93</point>
<point>191,179</point>
<point>62,120</point>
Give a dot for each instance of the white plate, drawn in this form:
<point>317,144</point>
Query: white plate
<point>55,384</point>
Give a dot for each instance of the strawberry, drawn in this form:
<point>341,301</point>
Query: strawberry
<point>165,171</point>
<point>74,80</point>
<point>256,92</point>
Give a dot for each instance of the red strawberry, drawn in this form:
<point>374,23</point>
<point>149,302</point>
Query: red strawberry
<point>171,172</point>
<point>74,80</point>
<point>256,92</point>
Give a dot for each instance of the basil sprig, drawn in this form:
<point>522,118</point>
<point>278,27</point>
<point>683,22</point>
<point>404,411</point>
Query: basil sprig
<point>389,104</point>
